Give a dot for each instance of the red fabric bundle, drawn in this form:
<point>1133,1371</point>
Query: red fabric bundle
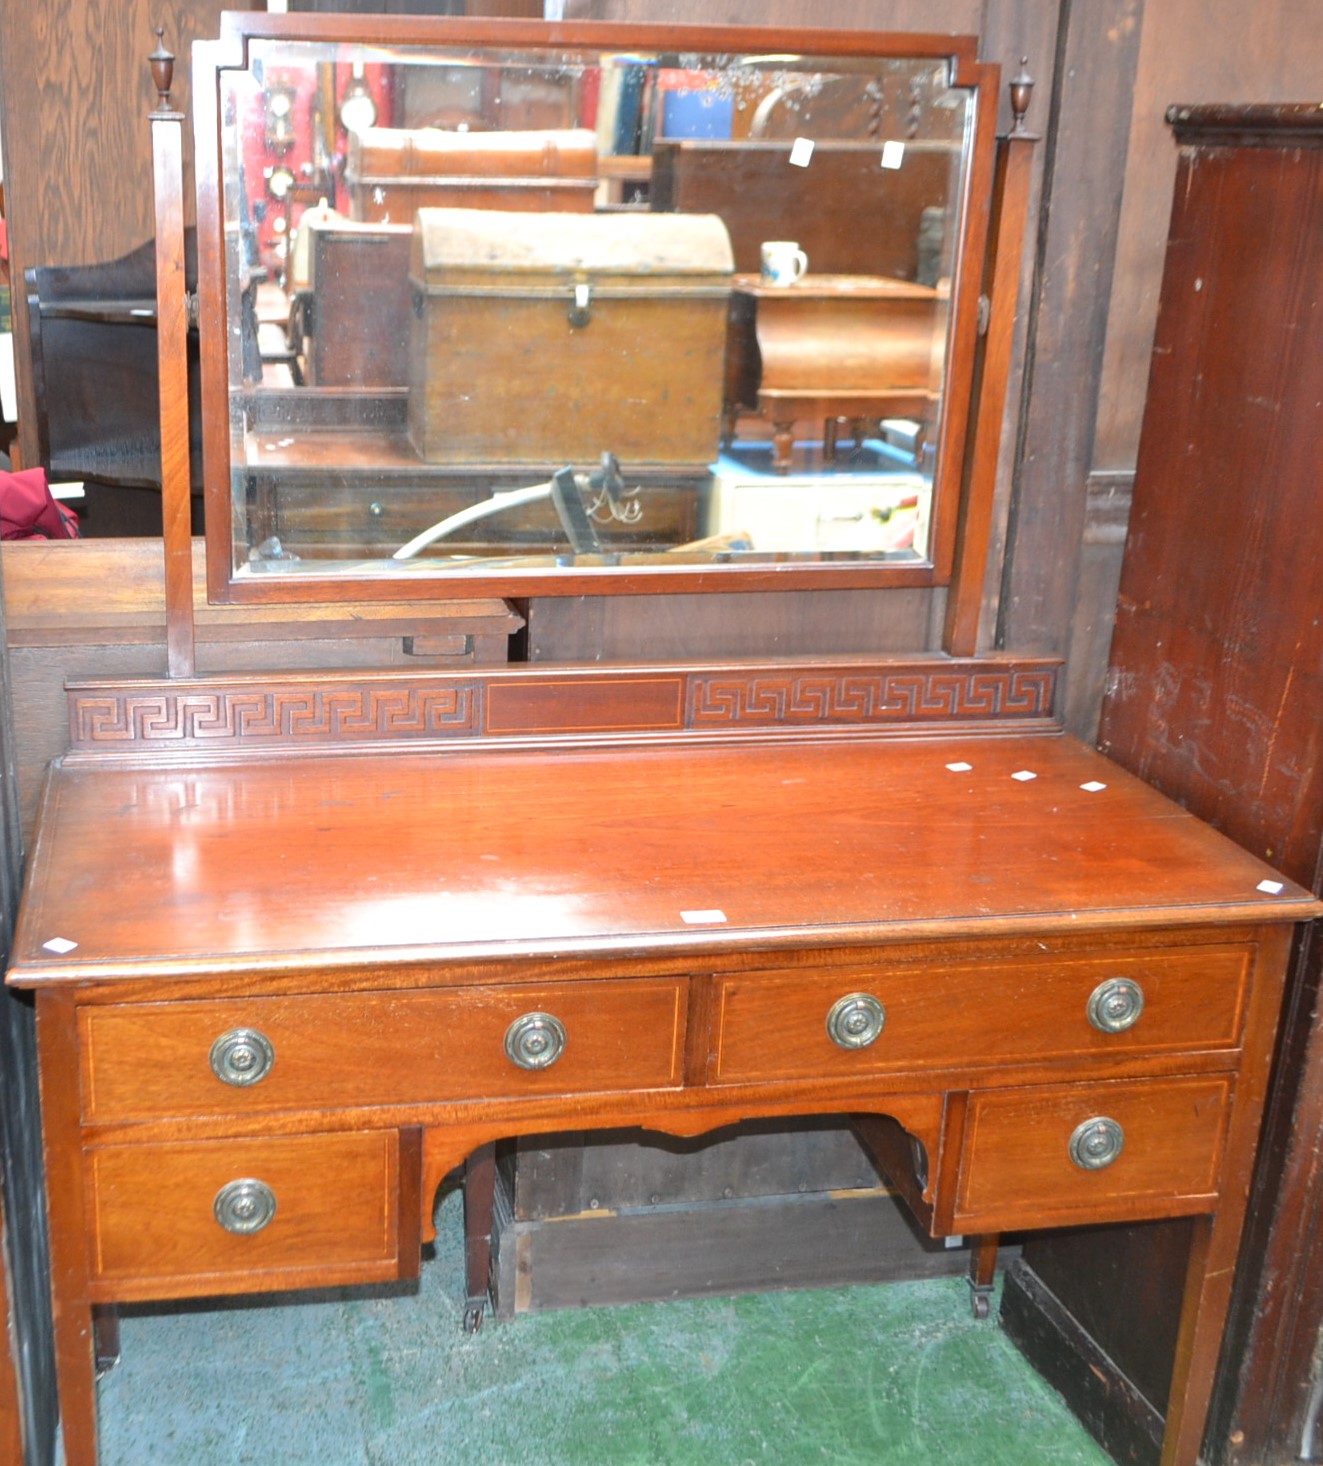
<point>29,512</point>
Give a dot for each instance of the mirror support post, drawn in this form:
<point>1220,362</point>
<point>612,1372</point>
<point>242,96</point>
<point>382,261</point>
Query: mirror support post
<point>172,357</point>
<point>1001,284</point>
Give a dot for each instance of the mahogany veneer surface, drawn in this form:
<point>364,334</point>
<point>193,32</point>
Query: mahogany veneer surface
<point>484,853</point>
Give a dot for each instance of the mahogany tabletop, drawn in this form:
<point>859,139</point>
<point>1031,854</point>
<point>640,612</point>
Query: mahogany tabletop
<point>483,854</point>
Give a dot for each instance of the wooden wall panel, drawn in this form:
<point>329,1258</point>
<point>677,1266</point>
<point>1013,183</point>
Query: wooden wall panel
<point>1192,51</point>
<point>1088,124</point>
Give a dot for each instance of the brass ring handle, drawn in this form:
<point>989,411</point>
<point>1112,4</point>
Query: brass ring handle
<point>1115,1005</point>
<point>245,1206</point>
<point>856,1020</point>
<point>242,1056</point>
<point>535,1041</point>
<point>1096,1143</point>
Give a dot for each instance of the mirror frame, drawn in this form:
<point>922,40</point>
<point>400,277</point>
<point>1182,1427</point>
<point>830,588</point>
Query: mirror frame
<point>974,209</point>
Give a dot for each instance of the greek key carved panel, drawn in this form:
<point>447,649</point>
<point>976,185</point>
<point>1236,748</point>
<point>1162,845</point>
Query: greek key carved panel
<point>288,715</point>
<point>909,695</point>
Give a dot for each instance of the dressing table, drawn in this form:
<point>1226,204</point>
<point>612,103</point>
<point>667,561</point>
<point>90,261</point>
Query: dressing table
<point>302,945</point>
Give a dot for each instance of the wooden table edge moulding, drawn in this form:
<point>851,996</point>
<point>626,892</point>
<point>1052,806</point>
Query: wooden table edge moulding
<point>302,944</point>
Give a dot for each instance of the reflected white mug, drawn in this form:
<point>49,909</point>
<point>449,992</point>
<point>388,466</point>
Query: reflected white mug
<point>783,262</point>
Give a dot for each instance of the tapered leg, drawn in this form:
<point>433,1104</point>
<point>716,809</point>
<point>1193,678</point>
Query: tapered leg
<point>75,1370</point>
<point>1215,1239</point>
<point>1203,1318</point>
<point>75,1354</point>
<point>982,1273</point>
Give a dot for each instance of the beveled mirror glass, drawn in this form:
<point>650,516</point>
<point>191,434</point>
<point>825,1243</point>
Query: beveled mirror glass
<point>520,309</point>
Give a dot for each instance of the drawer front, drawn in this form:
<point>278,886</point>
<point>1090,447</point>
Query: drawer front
<point>778,1023</point>
<point>1035,1156</point>
<point>405,1048</point>
<point>213,1216</point>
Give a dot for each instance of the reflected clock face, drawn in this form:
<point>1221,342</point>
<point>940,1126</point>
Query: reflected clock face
<point>358,111</point>
<point>279,118</point>
<point>279,181</point>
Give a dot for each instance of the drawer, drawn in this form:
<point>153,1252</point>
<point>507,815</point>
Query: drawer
<point>369,1049</point>
<point>156,1213</point>
<point>1101,1152</point>
<point>775,1024</point>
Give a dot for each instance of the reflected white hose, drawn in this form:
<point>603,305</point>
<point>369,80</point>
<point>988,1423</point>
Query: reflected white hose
<point>506,499</point>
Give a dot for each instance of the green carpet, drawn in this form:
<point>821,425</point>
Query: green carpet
<point>896,1375</point>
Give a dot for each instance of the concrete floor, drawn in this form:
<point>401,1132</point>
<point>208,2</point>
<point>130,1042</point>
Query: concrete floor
<point>896,1375</point>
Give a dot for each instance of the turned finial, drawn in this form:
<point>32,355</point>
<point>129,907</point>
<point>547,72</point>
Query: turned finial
<point>1022,88</point>
<point>162,63</point>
